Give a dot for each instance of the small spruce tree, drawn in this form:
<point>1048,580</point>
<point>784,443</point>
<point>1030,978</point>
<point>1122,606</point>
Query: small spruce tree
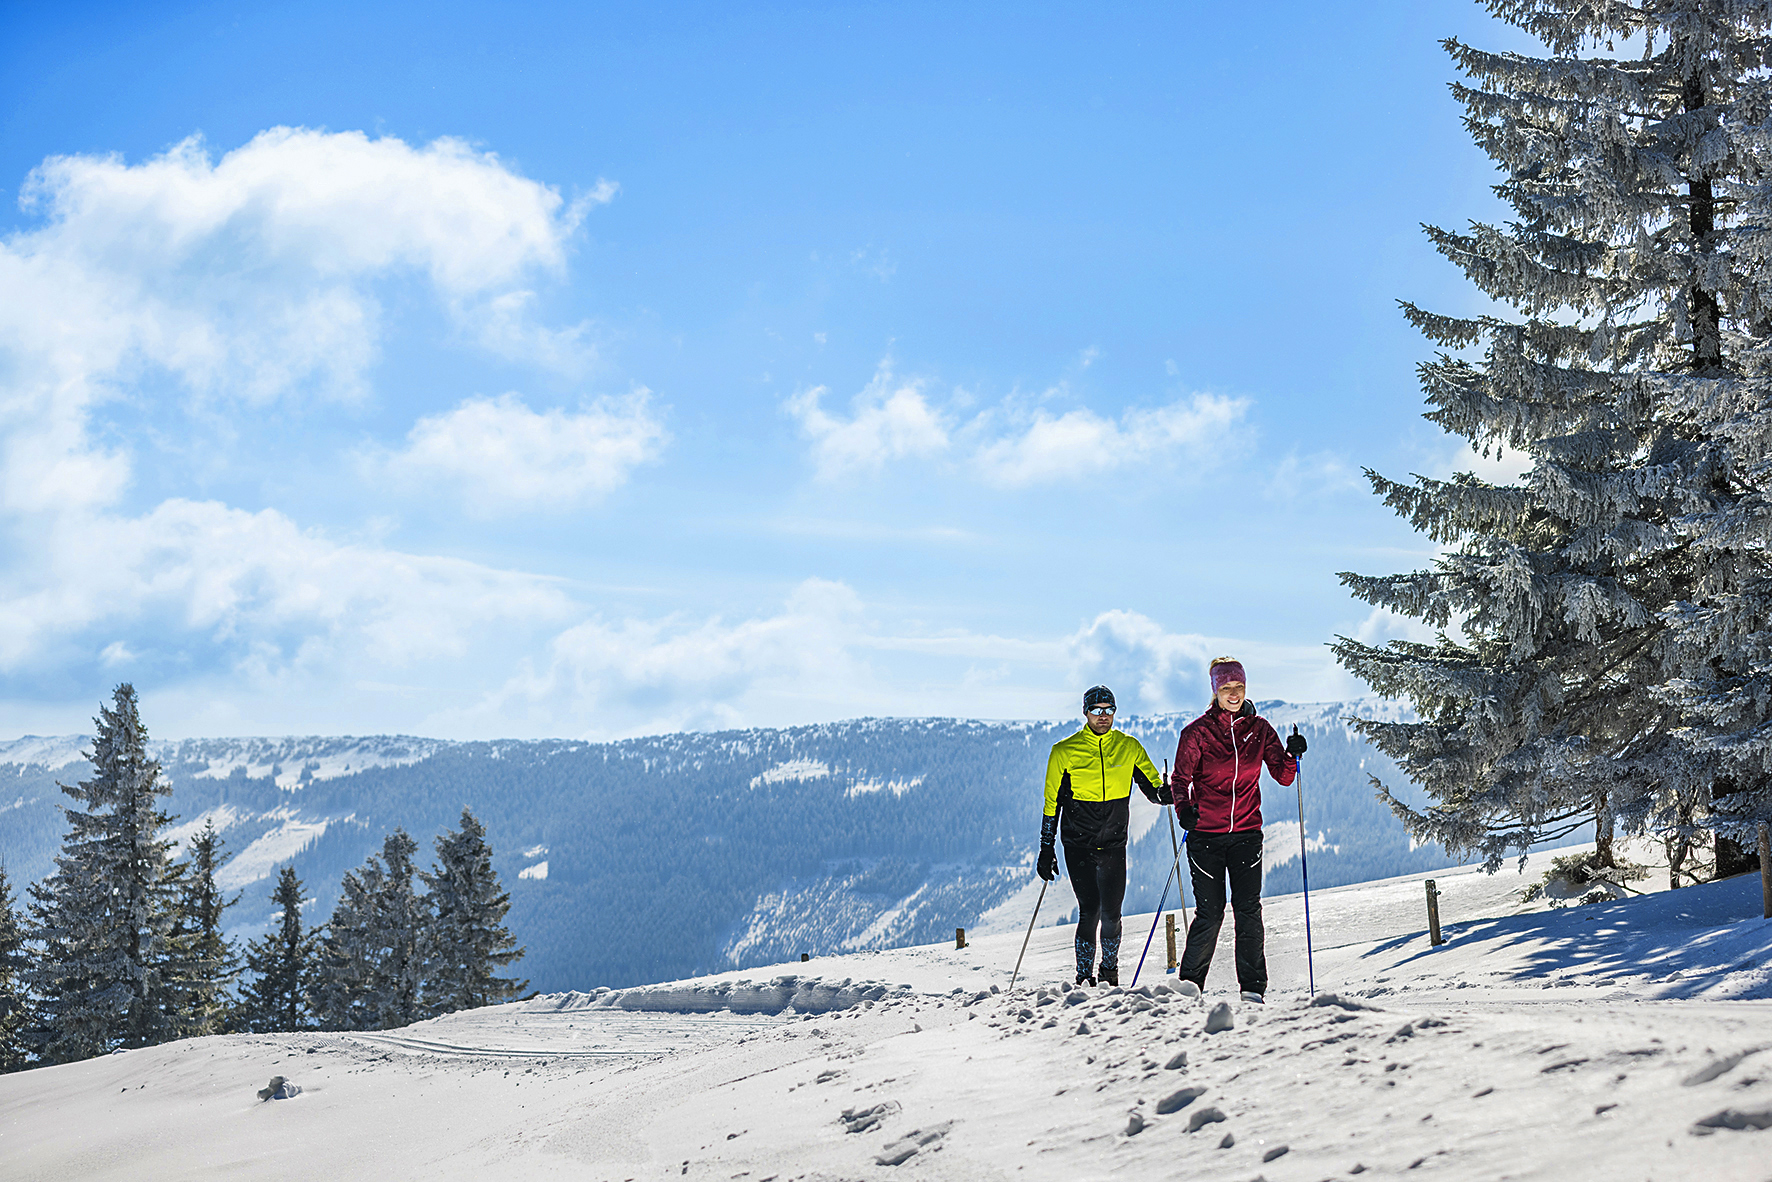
<point>371,974</point>
<point>103,918</point>
<point>15,1002</point>
<point>207,963</point>
<point>468,941</point>
<point>281,964</point>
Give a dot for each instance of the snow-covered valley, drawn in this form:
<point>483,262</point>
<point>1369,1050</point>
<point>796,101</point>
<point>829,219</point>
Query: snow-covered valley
<point>1628,1039</point>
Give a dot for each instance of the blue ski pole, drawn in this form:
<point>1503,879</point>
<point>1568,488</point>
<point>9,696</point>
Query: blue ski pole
<point>1167,879</point>
<point>1305,873</point>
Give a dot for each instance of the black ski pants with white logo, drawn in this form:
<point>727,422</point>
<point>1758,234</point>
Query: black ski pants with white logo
<point>1213,859</point>
<point>1098,876</point>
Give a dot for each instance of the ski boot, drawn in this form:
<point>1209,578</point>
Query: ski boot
<point>1085,961</point>
<point>1110,962</point>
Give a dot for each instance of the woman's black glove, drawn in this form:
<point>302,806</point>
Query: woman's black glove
<point>1186,815</point>
<point>1295,744</point>
<point>1048,867</point>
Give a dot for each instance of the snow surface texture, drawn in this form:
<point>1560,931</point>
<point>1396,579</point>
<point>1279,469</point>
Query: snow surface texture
<point>1630,1039</point>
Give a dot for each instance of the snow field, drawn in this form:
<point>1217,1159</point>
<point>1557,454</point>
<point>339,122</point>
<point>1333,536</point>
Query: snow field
<point>1591,1041</point>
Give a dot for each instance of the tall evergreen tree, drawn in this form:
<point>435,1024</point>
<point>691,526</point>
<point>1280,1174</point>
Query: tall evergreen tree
<point>207,965</point>
<point>468,940</point>
<point>104,916</point>
<point>1551,696</point>
<point>15,1002</point>
<point>282,967</point>
<point>372,960</point>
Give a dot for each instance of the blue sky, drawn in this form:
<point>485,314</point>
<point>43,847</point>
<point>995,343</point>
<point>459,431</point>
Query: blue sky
<point>593,370</point>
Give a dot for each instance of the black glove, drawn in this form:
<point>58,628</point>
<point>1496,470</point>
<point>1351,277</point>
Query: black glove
<point>1155,793</point>
<point>1048,867</point>
<point>1295,744</point>
<point>1186,815</point>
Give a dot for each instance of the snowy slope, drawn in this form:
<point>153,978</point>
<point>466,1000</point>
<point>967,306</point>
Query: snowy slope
<point>1630,1039</point>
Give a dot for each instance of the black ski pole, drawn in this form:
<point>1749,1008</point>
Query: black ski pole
<point>1024,940</point>
<point>1304,871</point>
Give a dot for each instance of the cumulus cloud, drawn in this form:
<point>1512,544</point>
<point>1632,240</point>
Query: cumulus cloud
<point>1011,446</point>
<point>606,678</point>
<point>1049,449</point>
<point>249,278</point>
<point>501,456</point>
<point>888,420</point>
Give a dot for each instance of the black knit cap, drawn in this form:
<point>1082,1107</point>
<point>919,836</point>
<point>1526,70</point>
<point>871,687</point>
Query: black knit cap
<point>1098,695</point>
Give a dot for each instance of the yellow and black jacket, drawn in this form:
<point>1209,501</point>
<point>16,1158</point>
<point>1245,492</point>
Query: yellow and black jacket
<point>1093,776</point>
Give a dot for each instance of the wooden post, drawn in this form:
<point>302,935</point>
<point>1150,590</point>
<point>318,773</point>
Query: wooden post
<point>959,938</point>
<point>1433,915</point>
<point>1169,932</point>
<point>805,956</point>
<point>1766,870</point>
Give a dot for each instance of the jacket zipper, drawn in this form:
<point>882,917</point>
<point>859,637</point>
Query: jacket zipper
<point>1236,771</point>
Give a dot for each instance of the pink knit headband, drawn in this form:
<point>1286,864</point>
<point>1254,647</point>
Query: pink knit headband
<point>1225,674</point>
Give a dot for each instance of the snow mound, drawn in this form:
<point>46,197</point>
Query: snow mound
<point>799,995</point>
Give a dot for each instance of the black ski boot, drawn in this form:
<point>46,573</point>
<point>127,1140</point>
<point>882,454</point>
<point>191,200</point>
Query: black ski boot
<point>1085,980</point>
<point>1110,974</point>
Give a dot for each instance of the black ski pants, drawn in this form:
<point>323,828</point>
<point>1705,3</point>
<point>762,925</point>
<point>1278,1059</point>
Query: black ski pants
<point>1098,876</point>
<point>1214,858</point>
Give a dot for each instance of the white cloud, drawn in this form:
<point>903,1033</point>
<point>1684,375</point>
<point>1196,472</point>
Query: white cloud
<point>1148,668</point>
<point>602,679</point>
<point>1078,443</point>
<point>1296,477</point>
<point>246,278</point>
<point>256,587</point>
<point>1011,446</point>
<point>1500,466</point>
<point>889,420</point>
<point>501,456</point>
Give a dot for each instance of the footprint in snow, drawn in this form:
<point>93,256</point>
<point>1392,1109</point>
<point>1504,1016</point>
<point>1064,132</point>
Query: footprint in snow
<point>908,1146</point>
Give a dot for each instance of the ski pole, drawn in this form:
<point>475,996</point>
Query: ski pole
<point>1180,884</point>
<point>1153,935</point>
<point>1024,940</point>
<point>1305,873</point>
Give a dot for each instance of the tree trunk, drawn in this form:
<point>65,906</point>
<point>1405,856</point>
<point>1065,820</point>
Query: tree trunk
<point>1731,858</point>
<point>1603,855</point>
<point>1701,209</point>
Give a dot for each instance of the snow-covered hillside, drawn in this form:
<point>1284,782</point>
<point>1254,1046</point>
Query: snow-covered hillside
<point>1628,1040</point>
<point>865,834</point>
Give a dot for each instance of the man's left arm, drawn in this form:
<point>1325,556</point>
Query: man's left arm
<point>1145,775</point>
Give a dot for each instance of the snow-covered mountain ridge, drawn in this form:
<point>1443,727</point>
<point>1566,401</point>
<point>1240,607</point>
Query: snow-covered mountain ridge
<point>750,847</point>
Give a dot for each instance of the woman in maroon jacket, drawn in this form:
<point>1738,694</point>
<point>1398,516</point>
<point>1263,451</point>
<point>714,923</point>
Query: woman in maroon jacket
<point>1217,789</point>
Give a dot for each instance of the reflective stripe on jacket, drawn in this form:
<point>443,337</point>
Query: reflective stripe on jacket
<point>1098,771</point>
<point>1218,767</point>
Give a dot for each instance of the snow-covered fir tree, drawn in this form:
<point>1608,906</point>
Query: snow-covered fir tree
<point>1595,621</point>
<point>281,968</point>
<point>15,1002</point>
<point>207,965</point>
<point>372,959</point>
<point>468,941</point>
<point>102,919</point>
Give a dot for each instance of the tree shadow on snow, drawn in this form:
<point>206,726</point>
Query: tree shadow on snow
<point>1686,942</point>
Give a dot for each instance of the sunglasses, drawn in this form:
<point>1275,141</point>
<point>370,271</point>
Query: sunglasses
<point>1098,711</point>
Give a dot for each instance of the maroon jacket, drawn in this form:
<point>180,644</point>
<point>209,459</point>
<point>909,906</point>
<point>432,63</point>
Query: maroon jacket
<point>1218,767</point>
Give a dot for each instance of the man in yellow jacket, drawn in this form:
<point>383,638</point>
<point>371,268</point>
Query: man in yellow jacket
<point>1089,779</point>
